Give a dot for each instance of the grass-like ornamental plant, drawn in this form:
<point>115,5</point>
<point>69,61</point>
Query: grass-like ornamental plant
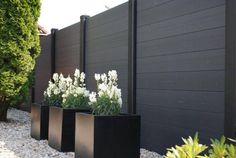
<point>193,149</point>
<point>67,92</point>
<point>107,100</point>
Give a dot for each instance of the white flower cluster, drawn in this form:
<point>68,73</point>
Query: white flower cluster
<point>107,87</point>
<point>76,87</point>
<point>66,86</point>
<point>56,86</point>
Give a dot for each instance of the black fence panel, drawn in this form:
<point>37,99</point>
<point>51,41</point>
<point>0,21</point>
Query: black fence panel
<point>180,65</point>
<point>180,70</point>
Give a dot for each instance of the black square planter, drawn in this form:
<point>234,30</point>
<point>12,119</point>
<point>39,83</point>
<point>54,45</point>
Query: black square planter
<point>39,121</point>
<point>107,136</point>
<point>61,134</point>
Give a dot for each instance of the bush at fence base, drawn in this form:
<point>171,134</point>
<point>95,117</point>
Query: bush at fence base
<point>193,149</point>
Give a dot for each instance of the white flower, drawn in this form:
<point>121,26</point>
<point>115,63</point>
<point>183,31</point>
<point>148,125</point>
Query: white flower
<point>118,92</point>
<point>82,77</point>
<point>64,95</point>
<point>104,77</point>
<point>120,102</point>
<point>61,76</point>
<point>56,91</point>
<point>113,75</point>
<point>55,77</point>
<point>86,93</point>
<point>92,97</point>
<point>102,87</point>
<point>68,79</point>
<point>100,93</point>
<point>97,77</point>
<point>77,73</point>
<point>79,90</point>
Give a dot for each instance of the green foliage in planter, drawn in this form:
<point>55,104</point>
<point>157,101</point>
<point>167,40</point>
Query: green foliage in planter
<point>193,149</point>
<point>76,101</point>
<point>106,106</point>
<point>19,47</point>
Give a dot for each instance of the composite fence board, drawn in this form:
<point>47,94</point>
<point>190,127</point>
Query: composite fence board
<point>107,42</point>
<point>197,41</point>
<point>174,9</point>
<point>180,57</point>
<point>107,47</point>
<point>179,99</point>
<point>67,49</point>
<point>196,61</point>
<point>154,140</point>
<point>109,16</point>
<point>143,5</point>
<point>43,68</point>
<point>119,25</point>
<point>186,81</point>
<point>202,20</point>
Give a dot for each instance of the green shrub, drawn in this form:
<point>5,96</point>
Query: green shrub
<point>193,149</point>
<point>19,47</point>
<point>190,149</point>
<point>219,148</point>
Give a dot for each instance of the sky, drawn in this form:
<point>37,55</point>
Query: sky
<point>62,13</point>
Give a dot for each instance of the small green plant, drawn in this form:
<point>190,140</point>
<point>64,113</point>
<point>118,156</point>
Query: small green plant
<point>231,149</point>
<point>190,149</point>
<point>108,99</point>
<point>219,148</point>
<point>193,149</point>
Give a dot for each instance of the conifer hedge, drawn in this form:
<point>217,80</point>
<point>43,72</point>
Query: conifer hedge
<point>19,47</point>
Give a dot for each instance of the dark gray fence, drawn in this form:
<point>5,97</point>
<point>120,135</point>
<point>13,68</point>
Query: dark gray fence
<point>180,64</point>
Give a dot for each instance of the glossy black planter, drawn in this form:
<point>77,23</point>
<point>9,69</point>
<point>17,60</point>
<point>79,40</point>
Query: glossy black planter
<point>107,136</point>
<point>39,121</point>
<point>61,133</point>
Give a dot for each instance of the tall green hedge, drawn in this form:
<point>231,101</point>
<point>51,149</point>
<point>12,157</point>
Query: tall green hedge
<point>19,47</point>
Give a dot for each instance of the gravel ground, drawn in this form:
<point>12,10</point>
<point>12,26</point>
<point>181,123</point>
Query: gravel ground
<point>15,140</point>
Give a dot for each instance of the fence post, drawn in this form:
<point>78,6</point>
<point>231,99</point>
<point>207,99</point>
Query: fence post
<point>230,70</point>
<point>53,51</point>
<point>132,44</point>
<point>83,20</point>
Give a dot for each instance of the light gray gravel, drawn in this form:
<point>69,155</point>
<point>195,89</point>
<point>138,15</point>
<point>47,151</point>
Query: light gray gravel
<point>15,140</point>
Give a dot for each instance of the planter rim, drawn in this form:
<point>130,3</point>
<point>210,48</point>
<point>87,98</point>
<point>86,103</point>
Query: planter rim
<point>69,109</point>
<point>38,104</point>
<point>121,115</point>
